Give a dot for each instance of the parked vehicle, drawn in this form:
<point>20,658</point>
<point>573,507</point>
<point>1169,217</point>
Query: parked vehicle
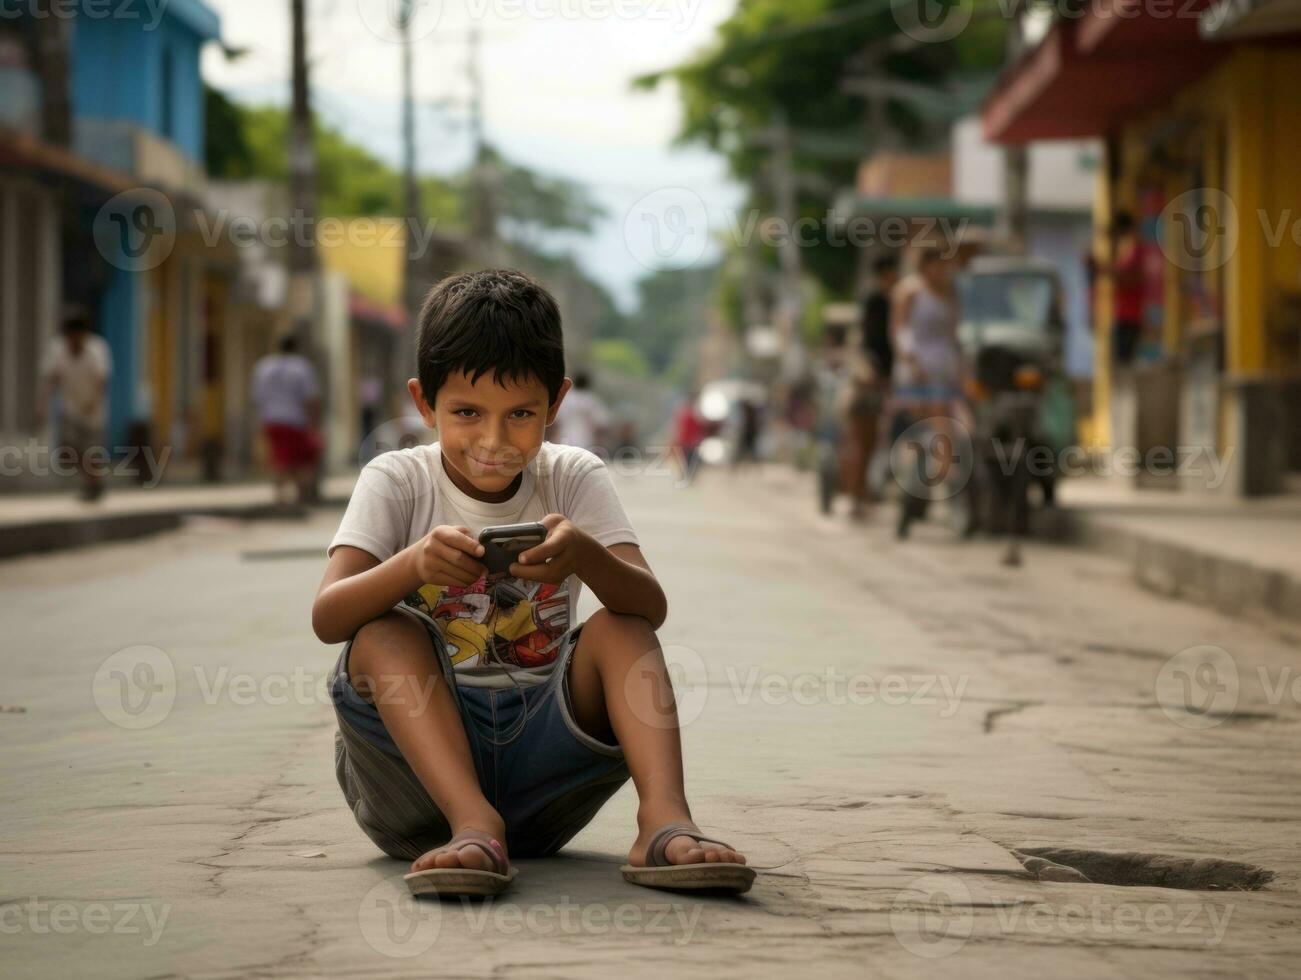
<point>1012,334</point>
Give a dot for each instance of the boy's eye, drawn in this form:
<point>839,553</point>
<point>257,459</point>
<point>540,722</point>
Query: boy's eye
<point>467,413</point>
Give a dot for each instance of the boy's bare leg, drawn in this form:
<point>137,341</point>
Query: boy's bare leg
<point>639,712</point>
<point>393,665</point>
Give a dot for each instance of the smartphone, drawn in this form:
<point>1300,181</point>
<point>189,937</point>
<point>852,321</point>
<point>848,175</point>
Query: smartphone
<point>503,544</point>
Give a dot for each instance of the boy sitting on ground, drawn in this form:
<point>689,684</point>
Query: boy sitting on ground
<point>477,719</point>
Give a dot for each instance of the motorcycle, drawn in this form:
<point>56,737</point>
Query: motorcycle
<point>1006,396</point>
<point>1012,334</point>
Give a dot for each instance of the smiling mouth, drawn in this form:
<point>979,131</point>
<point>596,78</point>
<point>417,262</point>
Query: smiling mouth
<point>488,465</point>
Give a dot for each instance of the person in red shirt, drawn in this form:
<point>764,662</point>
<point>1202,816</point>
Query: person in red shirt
<point>1127,292</point>
<point>689,433</point>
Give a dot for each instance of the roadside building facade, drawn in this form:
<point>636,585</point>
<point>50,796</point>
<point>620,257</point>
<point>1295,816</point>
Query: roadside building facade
<point>1201,132</point>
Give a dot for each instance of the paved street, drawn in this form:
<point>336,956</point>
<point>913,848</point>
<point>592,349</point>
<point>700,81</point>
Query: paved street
<point>879,725</point>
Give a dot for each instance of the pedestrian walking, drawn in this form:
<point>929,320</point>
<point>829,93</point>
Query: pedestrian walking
<point>688,434</point>
<point>583,419</point>
<point>877,343</point>
<point>749,430</point>
<point>879,348</point>
<point>1127,276</point>
<point>928,364</point>
<point>288,402</point>
<point>862,401</point>
<point>77,367</point>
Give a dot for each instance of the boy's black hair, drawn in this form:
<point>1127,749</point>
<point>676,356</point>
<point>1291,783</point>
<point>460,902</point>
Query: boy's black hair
<point>495,320</point>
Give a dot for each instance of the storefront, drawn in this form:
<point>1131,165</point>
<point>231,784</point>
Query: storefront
<point>1201,142</point>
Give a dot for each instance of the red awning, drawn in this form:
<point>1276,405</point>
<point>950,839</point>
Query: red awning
<point>1092,72</point>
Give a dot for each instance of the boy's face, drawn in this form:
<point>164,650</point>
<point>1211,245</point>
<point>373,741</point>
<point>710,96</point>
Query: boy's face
<point>488,431</point>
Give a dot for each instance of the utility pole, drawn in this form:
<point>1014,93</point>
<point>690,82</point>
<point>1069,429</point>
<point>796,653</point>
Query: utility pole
<point>302,253</point>
<point>51,39</point>
<point>302,188</point>
<point>414,278</point>
<point>790,289</point>
<point>1013,217</point>
<point>483,174</point>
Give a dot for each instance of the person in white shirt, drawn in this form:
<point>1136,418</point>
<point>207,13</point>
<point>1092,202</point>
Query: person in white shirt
<point>78,366</point>
<point>288,401</point>
<point>583,419</point>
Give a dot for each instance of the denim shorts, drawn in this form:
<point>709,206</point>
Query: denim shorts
<point>547,784</point>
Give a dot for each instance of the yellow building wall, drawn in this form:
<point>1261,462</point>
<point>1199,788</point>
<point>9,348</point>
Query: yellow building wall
<point>369,252</point>
<point>1252,97</point>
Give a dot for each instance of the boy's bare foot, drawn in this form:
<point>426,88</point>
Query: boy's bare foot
<point>680,849</point>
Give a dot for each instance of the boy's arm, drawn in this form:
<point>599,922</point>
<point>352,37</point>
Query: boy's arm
<point>356,588</point>
<point>618,575</point>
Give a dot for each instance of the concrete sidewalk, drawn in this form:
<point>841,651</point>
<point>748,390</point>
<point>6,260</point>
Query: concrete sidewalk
<point>39,522</point>
<point>1241,556</point>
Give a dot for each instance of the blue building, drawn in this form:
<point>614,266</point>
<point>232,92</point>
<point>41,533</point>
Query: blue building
<point>71,224</point>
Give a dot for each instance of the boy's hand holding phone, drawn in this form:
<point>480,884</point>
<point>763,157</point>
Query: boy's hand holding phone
<point>449,556</point>
<point>565,547</point>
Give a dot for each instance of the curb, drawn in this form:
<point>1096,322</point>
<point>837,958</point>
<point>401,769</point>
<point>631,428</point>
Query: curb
<point>40,537</point>
<point>1177,570</point>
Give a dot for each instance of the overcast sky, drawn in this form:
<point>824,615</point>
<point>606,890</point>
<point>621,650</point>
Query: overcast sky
<point>557,94</point>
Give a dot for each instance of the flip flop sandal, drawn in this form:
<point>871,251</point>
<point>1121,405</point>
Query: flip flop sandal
<point>466,881</point>
<point>716,876</point>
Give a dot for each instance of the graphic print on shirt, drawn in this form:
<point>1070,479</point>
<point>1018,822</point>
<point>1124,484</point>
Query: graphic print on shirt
<point>529,618</point>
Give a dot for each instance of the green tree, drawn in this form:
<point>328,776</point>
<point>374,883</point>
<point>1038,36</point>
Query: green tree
<point>807,62</point>
<point>253,142</point>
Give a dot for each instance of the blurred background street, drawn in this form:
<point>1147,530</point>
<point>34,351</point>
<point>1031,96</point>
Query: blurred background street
<point>947,354</point>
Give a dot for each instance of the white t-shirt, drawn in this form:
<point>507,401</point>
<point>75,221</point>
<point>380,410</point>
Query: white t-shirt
<point>79,377</point>
<point>581,415</point>
<point>403,495</point>
<point>282,386</point>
